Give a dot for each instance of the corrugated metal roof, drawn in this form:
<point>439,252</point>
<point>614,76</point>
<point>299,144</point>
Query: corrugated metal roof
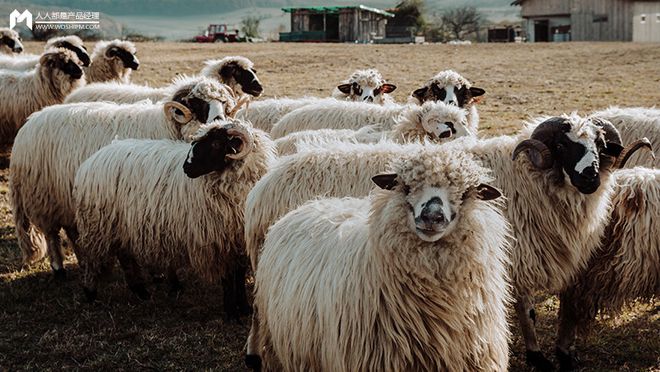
<point>336,9</point>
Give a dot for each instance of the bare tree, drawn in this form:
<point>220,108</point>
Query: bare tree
<point>461,21</point>
<point>250,26</point>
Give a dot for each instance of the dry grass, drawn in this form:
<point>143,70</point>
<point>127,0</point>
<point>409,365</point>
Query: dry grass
<point>45,325</point>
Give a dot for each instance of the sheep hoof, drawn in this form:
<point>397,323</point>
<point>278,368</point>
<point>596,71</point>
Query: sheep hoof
<point>567,361</point>
<point>536,360</point>
<point>253,362</point>
<point>90,294</point>
<point>59,275</point>
<point>140,291</point>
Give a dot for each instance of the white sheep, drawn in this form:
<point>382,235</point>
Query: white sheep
<point>10,42</point>
<point>193,220</point>
<point>362,85</point>
<point>625,268</point>
<point>24,62</point>
<point>411,279</point>
<point>55,141</point>
<point>24,92</point>
<point>450,87</point>
<point>236,72</point>
<point>557,202</point>
<point>112,61</point>
<point>433,120</point>
<point>634,123</point>
<point>335,114</point>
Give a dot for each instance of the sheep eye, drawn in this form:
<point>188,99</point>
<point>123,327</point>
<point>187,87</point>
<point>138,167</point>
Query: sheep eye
<point>216,145</point>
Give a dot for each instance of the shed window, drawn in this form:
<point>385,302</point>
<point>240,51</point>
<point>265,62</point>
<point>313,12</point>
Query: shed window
<point>642,18</point>
<point>657,17</point>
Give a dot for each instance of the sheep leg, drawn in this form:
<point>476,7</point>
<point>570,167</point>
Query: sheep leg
<point>527,319</point>
<point>133,275</point>
<point>55,254</point>
<point>230,293</point>
<point>91,272</point>
<point>173,283</point>
<point>242,302</point>
<point>567,333</point>
<point>252,357</point>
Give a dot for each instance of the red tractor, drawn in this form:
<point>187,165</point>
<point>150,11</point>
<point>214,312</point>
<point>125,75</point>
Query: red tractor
<point>217,34</point>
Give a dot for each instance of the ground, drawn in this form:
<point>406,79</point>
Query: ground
<point>46,325</point>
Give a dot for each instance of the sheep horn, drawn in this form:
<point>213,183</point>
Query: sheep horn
<point>174,105</point>
<point>539,153</point>
<point>246,138</point>
<point>243,101</point>
<point>629,150</point>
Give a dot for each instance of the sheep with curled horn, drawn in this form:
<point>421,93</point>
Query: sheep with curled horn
<point>195,219</point>
<point>10,42</point>
<point>236,72</point>
<point>24,62</point>
<point>112,61</point>
<point>55,141</point>
<point>24,92</point>
<point>558,203</point>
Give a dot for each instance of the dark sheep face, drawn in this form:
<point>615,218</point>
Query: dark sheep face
<point>450,94</point>
<point>12,43</point>
<point>127,58</point>
<point>209,153</point>
<point>64,64</point>
<point>246,78</point>
<point>81,52</point>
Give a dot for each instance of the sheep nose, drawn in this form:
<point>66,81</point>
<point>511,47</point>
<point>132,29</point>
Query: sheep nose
<point>18,50</point>
<point>217,117</point>
<point>453,103</point>
<point>369,98</point>
<point>590,172</point>
<point>431,214</point>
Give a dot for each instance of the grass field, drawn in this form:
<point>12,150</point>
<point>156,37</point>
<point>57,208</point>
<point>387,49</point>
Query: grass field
<point>46,325</point>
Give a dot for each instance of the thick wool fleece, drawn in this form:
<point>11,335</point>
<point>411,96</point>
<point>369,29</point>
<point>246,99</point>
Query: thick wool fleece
<point>346,285</point>
<point>122,201</point>
<point>25,92</point>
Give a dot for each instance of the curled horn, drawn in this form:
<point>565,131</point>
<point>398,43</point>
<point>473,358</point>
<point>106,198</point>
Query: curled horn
<point>629,150</point>
<point>170,109</point>
<point>110,50</point>
<point>537,151</point>
<point>243,101</point>
<point>246,139</point>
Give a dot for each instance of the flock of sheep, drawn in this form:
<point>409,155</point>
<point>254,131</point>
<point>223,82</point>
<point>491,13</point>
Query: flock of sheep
<point>381,236</point>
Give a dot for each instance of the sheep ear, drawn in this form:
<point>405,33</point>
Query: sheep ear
<point>385,181</point>
<point>476,92</point>
<point>388,88</point>
<point>420,93</point>
<point>487,192</point>
<point>344,88</point>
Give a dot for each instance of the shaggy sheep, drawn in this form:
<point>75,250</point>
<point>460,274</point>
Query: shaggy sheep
<point>365,86</point>
<point>451,88</point>
<point>557,202</point>
<point>410,279</point>
<point>627,265</point>
<point>10,42</point>
<point>29,61</point>
<point>195,219</point>
<point>56,140</point>
<point>433,120</point>
<point>633,123</point>
<point>112,61</point>
<point>235,72</point>
<point>362,85</point>
<point>337,115</point>
<point>24,92</point>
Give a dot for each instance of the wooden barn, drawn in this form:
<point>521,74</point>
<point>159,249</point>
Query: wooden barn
<point>591,20</point>
<point>357,23</point>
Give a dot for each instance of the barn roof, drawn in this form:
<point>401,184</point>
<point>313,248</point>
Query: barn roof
<point>336,9</point>
<point>517,2</point>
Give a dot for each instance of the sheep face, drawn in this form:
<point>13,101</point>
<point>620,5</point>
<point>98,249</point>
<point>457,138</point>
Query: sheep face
<point>80,51</point>
<point>10,42</point>
<point>576,150</point>
<point>443,122</point>
<point>64,61</point>
<point>433,191</point>
<point>128,59</point>
<point>245,79</point>
<point>204,102</point>
<point>215,147</point>
<point>450,94</point>
<point>366,86</point>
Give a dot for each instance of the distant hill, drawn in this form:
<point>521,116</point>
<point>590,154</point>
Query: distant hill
<point>182,19</point>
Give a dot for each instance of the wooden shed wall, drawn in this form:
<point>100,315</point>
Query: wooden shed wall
<point>535,8</point>
<point>357,25</point>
